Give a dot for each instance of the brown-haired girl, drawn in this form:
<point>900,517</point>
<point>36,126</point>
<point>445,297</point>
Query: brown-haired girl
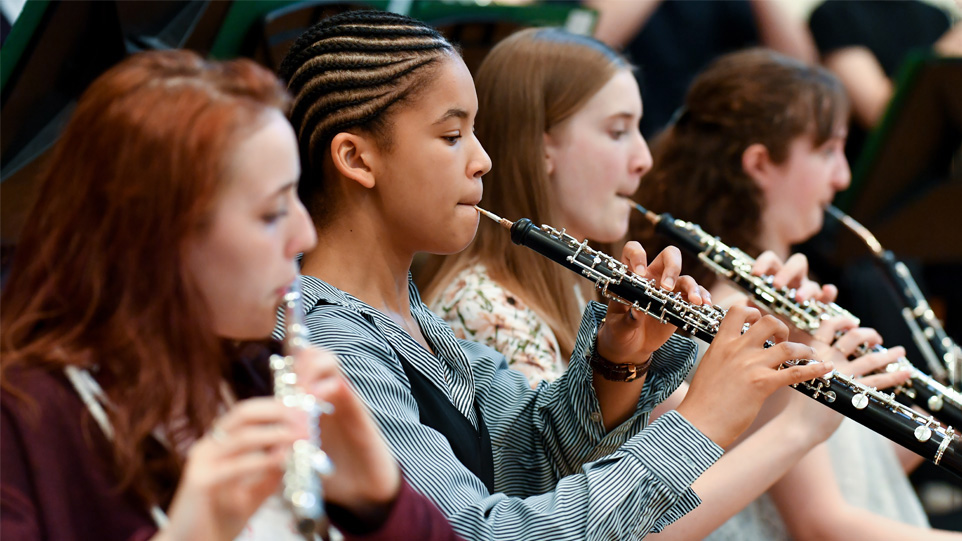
<point>384,109</point>
<point>754,157</point>
<point>136,319</point>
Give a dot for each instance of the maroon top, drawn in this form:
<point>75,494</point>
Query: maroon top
<point>57,482</point>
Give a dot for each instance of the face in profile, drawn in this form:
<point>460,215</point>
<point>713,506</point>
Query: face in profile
<point>429,179</point>
<point>243,260</point>
<point>803,186</point>
<point>595,161</point>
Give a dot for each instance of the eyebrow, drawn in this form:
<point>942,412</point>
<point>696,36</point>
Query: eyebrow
<point>282,189</point>
<point>452,113</point>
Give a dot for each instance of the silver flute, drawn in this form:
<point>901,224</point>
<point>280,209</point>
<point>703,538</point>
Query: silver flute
<point>735,265</point>
<point>942,355</point>
<point>876,410</point>
<point>302,489</point>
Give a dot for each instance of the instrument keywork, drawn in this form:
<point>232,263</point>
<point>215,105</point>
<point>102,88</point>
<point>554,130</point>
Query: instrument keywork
<point>876,410</point>
<point>942,355</point>
<point>302,489</point>
<point>735,265</point>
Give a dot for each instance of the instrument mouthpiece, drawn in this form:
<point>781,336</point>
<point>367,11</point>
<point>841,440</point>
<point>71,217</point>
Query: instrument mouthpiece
<point>502,221</point>
<point>652,217</point>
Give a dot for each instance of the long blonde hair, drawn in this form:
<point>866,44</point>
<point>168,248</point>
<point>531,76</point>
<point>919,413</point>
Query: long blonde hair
<point>527,84</point>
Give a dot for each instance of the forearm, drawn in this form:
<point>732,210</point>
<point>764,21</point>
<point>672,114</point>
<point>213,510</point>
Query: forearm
<point>778,30</point>
<point>908,459</point>
<point>742,475</point>
<point>620,20</point>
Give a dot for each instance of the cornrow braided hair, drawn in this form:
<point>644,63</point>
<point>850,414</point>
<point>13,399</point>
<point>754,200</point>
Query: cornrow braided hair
<point>346,72</point>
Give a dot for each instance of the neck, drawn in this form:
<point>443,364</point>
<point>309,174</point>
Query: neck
<point>352,255</point>
<point>769,239</point>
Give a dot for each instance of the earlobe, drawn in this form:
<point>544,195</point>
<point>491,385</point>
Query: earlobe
<point>548,145</point>
<point>757,164</point>
<point>352,157</point>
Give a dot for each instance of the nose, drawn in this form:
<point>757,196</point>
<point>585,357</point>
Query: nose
<point>480,162</point>
<point>641,160</point>
<point>842,177</point>
<point>303,235</point>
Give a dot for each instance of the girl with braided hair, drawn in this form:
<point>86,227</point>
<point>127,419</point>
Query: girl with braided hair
<point>384,110</point>
<point>135,326</point>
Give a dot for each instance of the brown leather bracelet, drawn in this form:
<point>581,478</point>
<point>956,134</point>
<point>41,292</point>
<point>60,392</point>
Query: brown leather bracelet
<point>613,371</point>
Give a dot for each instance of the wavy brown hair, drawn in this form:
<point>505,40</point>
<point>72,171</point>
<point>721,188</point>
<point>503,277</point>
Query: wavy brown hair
<point>528,83</point>
<point>743,98</point>
<point>100,277</point>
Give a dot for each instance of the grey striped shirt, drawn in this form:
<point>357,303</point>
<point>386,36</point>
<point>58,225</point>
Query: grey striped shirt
<point>558,474</point>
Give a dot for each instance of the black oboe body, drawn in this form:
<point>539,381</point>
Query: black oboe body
<point>876,410</point>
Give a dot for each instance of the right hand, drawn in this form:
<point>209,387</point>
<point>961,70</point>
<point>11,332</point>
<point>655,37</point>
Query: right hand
<point>738,373</point>
<point>233,469</point>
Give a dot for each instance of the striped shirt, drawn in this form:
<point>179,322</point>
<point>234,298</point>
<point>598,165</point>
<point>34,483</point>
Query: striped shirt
<point>558,473</point>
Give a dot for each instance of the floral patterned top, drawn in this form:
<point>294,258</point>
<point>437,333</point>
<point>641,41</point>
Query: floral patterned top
<point>480,310</point>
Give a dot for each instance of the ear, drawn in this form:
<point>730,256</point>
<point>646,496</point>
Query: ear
<point>757,164</point>
<point>550,153</point>
<point>353,157</point>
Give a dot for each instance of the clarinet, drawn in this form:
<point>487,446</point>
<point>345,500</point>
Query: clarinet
<point>874,409</point>
<point>735,265</point>
<point>302,490</point>
<point>941,353</point>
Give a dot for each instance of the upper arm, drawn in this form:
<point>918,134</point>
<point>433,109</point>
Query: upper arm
<point>18,513</point>
<point>864,80</point>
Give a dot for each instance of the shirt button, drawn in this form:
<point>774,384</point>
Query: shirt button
<point>596,416</point>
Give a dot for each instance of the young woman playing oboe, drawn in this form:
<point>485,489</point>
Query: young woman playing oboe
<point>136,319</point>
<point>384,109</point>
<point>754,157</point>
<point>574,158</point>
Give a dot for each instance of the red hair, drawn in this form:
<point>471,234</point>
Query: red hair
<point>99,276</point>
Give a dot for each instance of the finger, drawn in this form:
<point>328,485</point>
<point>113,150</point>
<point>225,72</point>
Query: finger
<point>790,351</point>
<point>792,273</point>
<point>829,293</point>
<point>690,289</point>
<point>885,380</point>
<point>850,342</point>
<point>807,290</point>
<point>264,410</point>
<point>829,328</point>
<point>634,255</point>
<point>735,320</point>
<point>767,264</point>
<point>799,373</point>
<point>667,267</point>
<point>871,362</point>
<point>313,364</point>
<point>260,438</point>
<point>705,295</point>
<point>768,327</point>
<point>247,465</point>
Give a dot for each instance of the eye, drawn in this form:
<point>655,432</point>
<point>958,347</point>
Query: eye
<point>617,134</point>
<point>452,139</point>
<point>272,217</point>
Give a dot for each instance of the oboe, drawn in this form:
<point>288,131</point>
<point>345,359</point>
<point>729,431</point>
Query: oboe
<point>941,353</point>
<point>735,265</point>
<point>302,490</point>
<point>874,409</point>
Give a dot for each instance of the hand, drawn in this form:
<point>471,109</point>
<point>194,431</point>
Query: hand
<point>816,420</point>
<point>366,479</point>
<point>793,274</point>
<point>846,339</point>
<point>738,373</point>
<point>233,469</point>
<point>631,337</point>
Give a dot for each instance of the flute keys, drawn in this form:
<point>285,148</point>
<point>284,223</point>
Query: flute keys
<point>935,403</point>
<point>923,433</point>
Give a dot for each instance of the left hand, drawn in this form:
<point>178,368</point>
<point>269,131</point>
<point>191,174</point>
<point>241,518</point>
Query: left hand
<point>793,274</point>
<point>629,336</point>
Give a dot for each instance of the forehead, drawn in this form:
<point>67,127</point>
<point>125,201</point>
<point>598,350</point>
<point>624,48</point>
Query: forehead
<point>263,159</point>
<point>620,95</point>
<point>450,88</point>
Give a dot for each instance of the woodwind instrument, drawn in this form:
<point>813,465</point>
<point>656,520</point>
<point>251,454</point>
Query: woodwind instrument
<point>942,355</point>
<point>302,489</point>
<point>735,265</point>
<point>876,410</point>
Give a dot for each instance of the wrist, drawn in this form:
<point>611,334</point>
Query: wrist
<point>614,370</point>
